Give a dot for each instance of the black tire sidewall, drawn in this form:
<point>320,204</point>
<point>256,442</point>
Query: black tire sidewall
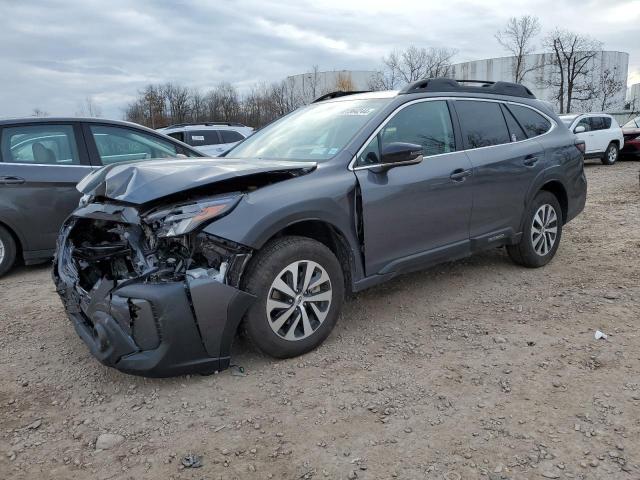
<point>270,262</point>
<point>605,158</point>
<point>9,251</point>
<point>528,255</point>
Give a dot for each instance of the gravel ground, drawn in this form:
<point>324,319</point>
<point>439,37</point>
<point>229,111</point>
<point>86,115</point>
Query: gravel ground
<point>474,369</point>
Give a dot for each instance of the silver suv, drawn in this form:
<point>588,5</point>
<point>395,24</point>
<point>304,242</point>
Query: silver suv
<point>211,138</point>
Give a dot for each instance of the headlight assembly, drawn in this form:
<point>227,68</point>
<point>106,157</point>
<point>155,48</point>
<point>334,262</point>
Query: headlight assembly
<point>184,218</point>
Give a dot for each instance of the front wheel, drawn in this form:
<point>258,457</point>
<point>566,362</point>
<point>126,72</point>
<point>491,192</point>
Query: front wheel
<point>7,251</point>
<point>299,287</point>
<point>610,155</point>
<point>541,234</point>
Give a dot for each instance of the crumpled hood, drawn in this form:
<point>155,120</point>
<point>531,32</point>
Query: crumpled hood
<point>143,181</point>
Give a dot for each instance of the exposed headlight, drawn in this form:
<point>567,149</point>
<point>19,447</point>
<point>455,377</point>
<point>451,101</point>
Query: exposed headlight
<point>184,218</point>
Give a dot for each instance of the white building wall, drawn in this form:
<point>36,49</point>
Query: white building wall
<point>325,82</point>
<point>633,97</point>
<point>541,71</point>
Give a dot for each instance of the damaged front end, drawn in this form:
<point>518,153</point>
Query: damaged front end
<point>147,290</point>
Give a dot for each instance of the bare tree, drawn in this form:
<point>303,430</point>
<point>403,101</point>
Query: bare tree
<point>311,85</point>
<point>608,88</point>
<point>401,67</point>
<point>39,113</point>
<point>344,83</point>
<point>572,57</point>
<point>517,38</point>
<point>88,108</point>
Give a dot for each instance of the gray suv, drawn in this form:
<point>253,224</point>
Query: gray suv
<point>42,160</point>
<point>165,261</point>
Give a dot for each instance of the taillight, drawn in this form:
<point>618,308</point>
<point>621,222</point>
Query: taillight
<point>580,146</point>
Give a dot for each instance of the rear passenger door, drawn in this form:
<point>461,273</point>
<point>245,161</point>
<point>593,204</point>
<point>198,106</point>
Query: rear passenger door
<point>41,163</point>
<point>505,159</point>
<point>601,132</point>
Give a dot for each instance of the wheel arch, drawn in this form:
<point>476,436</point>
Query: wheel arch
<point>16,237</point>
<point>331,237</point>
<point>560,192</point>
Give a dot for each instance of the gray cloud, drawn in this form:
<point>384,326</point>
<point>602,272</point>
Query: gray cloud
<point>53,54</point>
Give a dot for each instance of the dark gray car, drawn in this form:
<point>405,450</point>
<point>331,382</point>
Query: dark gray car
<point>42,160</point>
<point>163,262</point>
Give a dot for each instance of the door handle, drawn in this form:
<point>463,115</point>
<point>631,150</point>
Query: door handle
<point>459,175</point>
<point>11,180</point>
<point>530,160</point>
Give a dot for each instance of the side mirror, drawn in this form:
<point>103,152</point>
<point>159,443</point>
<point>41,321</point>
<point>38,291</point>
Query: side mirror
<point>579,129</point>
<point>400,153</point>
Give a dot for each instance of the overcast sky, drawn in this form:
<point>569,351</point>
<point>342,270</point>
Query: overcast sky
<point>55,53</point>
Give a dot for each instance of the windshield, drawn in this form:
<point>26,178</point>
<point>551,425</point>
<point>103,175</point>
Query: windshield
<point>635,123</point>
<point>568,119</point>
<point>314,133</point>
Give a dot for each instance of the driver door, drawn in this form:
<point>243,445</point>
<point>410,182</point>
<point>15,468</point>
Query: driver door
<point>415,215</point>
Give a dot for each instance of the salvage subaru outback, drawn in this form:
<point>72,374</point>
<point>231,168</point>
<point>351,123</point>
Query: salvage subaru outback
<point>164,261</point>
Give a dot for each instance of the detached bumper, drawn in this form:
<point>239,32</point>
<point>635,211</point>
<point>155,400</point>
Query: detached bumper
<point>154,329</point>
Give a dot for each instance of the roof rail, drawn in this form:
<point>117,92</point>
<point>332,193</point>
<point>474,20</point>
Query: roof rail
<point>208,124</point>
<point>481,86</point>
<point>337,94</point>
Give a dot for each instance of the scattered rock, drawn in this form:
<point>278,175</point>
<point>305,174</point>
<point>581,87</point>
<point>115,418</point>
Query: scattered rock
<point>107,441</point>
<point>34,425</point>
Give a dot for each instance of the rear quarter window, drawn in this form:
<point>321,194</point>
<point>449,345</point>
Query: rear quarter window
<point>531,121</point>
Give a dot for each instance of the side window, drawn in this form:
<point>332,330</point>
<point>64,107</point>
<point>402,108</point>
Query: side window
<point>40,144</point>
<point>482,123</point>
<point>596,123</point>
<point>533,123</point>
<point>606,122</point>
<point>230,136</point>
<point>197,138</point>
<point>425,123</point>
<point>515,130</point>
<point>177,135</point>
<point>120,144</point>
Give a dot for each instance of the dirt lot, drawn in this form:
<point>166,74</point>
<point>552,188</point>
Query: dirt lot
<point>475,369</point>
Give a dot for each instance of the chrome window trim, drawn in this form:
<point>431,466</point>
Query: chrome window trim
<point>352,166</point>
<point>48,165</point>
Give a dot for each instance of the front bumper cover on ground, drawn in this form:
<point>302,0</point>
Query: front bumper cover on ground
<point>155,329</point>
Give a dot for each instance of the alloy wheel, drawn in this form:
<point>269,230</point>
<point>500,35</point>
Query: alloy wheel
<point>299,300</point>
<point>612,154</point>
<point>544,229</point>
<point>2,250</point>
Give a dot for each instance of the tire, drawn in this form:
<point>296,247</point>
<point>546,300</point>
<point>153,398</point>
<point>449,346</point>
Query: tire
<point>274,266</point>
<point>532,252</point>
<point>611,154</point>
<point>7,251</point>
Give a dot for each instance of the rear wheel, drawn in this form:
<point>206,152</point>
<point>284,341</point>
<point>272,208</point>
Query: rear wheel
<point>299,287</point>
<point>610,155</point>
<point>7,251</point>
<point>542,232</point>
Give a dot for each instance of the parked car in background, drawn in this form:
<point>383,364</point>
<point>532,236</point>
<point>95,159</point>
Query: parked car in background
<point>211,138</point>
<point>161,264</point>
<point>42,160</point>
<point>601,134</point>
<point>631,132</point>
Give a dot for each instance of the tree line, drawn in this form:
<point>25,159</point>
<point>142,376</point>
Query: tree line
<point>570,56</point>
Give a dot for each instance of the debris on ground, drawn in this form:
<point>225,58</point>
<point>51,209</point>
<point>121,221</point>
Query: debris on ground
<point>191,461</point>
